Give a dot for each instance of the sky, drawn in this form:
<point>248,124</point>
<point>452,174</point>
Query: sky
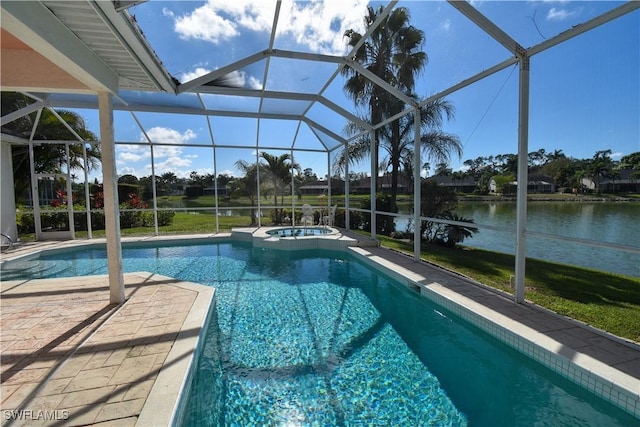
<point>584,97</point>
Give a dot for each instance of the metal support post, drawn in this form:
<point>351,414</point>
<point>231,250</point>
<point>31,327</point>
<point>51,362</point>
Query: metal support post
<point>521,202</point>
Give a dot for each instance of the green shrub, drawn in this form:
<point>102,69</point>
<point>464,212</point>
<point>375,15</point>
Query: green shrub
<point>164,218</point>
<point>384,223</point>
<point>24,220</point>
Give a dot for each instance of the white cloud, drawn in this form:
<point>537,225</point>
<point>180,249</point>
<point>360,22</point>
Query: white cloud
<point>133,153</point>
<point>617,155</point>
<point>130,157</point>
<point>199,71</point>
<point>164,135</point>
<point>445,25</point>
<point>127,171</point>
<point>173,163</point>
<point>315,24</point>
<point>227,172</point>
<point>204,23</point>
<point>254,83</point>
<point>560,14</point>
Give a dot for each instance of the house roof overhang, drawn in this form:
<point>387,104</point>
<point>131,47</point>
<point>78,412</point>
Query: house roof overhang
<point>76,47</point>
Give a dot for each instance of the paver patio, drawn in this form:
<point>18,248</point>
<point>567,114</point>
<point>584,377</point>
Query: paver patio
<point>70,358</point>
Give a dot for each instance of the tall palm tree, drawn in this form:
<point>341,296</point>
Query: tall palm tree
<point>435,144</point>
<point>392,53</point>
<point>278,170</point>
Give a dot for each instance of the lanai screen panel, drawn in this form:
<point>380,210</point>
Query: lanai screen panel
<point>285,106</point>
<point>175,129</point>
<point>250,76</point>
<point>336,94</point>
<point>298,76</point>
<point>311,27</point>
<point>154,101</point>
<point>279,134</point>
<point>195,38</point>
<point>486,117</point>
<point>327,140</point>
<point>135,159</point>
<point>329,119</point>
<point>531,23</point>
<point>231,103</point>
<point>126,128</point>
<point>584,98</point>
<point>306,140</point>
<point>234,131</point>
<point>456,48</point>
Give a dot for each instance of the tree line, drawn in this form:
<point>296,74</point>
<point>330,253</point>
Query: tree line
<point>565,171</point>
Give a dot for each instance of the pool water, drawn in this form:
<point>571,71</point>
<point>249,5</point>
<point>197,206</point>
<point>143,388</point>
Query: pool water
<point>317,338</point>
<point>298,231</point>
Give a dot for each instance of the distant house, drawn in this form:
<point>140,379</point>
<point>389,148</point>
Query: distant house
<point>178,189</point>
<point>623,181</point>
<point>540,187</point>
<point>223,191</point>
<point>536,184</point>
<point>317,188</point>
<point>363,186</point>
<point>465,185</point>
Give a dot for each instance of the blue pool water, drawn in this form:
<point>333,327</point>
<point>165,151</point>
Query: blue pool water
<point>317,338</point>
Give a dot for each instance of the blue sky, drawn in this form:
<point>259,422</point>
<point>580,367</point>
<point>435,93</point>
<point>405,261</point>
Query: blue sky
<point>585,94</point>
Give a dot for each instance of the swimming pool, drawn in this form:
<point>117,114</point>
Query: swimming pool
<point>316,337</point>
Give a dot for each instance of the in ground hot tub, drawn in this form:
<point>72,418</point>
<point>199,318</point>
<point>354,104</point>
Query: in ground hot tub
<point>299,231</point>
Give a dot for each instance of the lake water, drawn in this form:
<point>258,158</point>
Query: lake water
<point>617,223</point>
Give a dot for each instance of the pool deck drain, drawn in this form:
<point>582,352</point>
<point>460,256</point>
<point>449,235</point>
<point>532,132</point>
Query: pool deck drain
<point>70,358</point>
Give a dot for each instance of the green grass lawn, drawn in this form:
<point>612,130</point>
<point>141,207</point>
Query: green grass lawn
<point>606,301</point>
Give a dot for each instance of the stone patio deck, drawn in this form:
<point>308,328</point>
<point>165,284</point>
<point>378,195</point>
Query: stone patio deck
<point>70,358</point>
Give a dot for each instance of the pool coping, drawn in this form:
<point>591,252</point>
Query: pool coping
<point>606,365</point>
<point>157,409</point>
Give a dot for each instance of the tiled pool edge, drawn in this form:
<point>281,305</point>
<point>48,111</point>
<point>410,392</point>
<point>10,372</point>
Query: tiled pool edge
<point>166,398</point>
<point>606,382</point>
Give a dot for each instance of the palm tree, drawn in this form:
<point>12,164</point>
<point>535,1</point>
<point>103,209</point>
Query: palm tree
<point>49,158</point>
<point>600,167</point>
<point>278,170</point>
<point>391,53</point>
<point>247,185</point>
<point>455,233</point>
<point>435,144</point>
<point>166,182</point>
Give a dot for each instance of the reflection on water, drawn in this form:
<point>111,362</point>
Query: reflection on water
<point>615,223</point>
